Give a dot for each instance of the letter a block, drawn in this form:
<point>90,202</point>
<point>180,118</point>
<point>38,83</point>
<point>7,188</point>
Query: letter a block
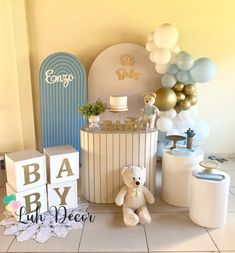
<point>25,169</point>
<point>62,163</point>
<point>62,194</point>
<point>29,200</point>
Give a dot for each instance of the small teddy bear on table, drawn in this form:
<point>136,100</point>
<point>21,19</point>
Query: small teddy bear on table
<point>150,110</point>
<point>133,196</point>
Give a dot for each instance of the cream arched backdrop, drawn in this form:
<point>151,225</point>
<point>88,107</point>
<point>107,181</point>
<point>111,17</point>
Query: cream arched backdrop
<point>122,69</point>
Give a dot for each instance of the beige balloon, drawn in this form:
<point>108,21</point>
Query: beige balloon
<point>166,99</point>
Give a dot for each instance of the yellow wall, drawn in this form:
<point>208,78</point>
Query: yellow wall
<point>86,27</point>
<point>11,138</point>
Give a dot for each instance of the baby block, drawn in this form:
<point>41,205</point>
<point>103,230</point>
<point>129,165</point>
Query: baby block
<point>29,200</point>
<point>62,163</point>
<point>62,194</point>
<point>25,169</point>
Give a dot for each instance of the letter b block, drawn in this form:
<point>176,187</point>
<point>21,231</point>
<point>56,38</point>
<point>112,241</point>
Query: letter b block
<point>62,164</point>
<point>29,200</point>
<point>25,169</point>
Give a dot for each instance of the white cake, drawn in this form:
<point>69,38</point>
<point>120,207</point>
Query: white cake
<point>118,103</point>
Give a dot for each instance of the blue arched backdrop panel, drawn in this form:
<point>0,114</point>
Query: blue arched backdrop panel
<point>62,90</point>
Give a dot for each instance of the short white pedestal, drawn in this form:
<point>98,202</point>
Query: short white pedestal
<point>105,153</point>
<point>176,176</point>
<point>209,201</point>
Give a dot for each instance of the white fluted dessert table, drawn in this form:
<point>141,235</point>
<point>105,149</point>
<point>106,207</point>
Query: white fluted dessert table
<point>104,153</point>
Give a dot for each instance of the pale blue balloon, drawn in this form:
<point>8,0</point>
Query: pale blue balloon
<point>203,70</point>
<point>182,76</point>
<point>173,69</point>
<point>185,61</point>
<point>168,81</point>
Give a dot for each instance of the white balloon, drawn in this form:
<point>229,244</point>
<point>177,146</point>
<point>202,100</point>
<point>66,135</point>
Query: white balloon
<point>184,115</point>
<point>164,124</point>
<point>161,68</point>
<point>170,114</point>
<point>151,36</point>
<point>150,46</point>
<point>175,49</point>
<point>160,56</point>
<point>173,59</point>
<point>193,110</point>
<point>166,36</point>
<point>173,131</point>
<point>202,130</point>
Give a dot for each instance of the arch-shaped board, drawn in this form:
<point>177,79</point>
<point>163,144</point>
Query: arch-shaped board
<point>122,69</point>
<point>62,90</point>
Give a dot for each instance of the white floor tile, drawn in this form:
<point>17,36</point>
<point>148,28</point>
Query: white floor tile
<point>175,232</point>
<point>108,233</point>
<point>228,166</point>
<point>225,237</point>
<point>67,244</point>
<point>104,208</point>
<point>232,190</point>
<point>162,207</point>
<point>5,241</point>
<point>232,178</point>
<point>231,203</point>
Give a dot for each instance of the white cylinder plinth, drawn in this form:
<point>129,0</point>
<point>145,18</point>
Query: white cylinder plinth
<point>209,201</point>
<point>176,176</point>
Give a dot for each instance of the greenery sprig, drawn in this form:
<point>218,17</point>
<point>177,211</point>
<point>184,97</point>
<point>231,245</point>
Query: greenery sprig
<point>94,109</point>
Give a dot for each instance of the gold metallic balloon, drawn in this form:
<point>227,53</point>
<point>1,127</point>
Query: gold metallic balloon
<point>185,104</point>
<point>166,99</point>
<point>180,96</point>
<point>178,87</point>
<point>189,89</point>
<point>177,108</point>
<point>192,99</point>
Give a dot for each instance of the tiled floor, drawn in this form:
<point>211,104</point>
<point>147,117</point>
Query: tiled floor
<point>171,230</point>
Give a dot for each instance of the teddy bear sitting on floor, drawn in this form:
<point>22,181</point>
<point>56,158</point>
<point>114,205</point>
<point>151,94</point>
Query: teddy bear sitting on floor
<point>133,196</point>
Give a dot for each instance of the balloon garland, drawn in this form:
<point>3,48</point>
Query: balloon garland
<point>177,98</point>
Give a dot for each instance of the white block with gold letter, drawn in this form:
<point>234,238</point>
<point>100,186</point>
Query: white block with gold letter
<point>62,163</point>
<point>62,194</point>
<point>25,169</point>
<point>29,200</point>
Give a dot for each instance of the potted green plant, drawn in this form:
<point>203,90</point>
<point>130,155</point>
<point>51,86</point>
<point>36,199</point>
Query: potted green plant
<point>92,112</point>
<point>190,134</point>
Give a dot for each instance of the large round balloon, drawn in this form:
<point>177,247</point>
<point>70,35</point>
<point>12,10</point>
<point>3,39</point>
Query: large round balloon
<point>166,36</point>
<point>164,124</point>
<point>170,114</point>
<point>173,69</point>
<point>166,99</point>
<point>203,70</point>
<point>168,81</point>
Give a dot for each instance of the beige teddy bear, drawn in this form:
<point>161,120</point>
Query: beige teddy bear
<point>150,110</point>
<point>133,196</point>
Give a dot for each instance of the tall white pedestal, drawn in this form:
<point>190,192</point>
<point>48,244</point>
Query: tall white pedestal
<point>176,176</point>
